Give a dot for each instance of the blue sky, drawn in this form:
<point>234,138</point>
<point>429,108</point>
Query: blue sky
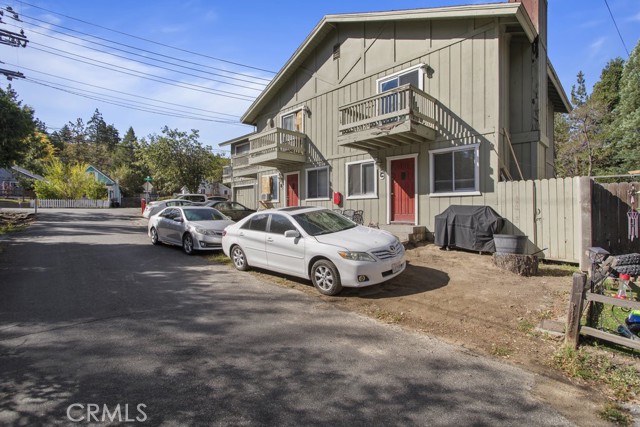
<point>258,34</point>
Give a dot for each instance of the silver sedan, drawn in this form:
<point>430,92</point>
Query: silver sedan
<point>153,208</point>
<point>192,227</point>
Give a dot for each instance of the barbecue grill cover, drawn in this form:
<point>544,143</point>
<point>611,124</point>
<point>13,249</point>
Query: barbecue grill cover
<point>468,227</point>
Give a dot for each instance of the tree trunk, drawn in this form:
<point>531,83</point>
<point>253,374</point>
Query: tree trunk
<point>522,265</point>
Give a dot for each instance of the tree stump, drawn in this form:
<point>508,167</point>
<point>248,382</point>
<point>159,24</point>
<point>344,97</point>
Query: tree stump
<point>522,265</point>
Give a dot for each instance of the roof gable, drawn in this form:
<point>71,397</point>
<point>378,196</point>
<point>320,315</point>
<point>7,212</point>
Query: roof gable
<point>329,22</point>
<point>100,176</point>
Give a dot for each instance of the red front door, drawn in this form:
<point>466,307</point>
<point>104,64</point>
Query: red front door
<point>292,190</point>
<point>403,192</point>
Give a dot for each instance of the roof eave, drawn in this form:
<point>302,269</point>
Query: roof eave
<point>467,11</point>
<point>555,80</point>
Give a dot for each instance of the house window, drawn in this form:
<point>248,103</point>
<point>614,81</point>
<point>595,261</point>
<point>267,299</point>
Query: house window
<point>270,186</point>
<point>293,121</point>
<point>241,149</point>
<point>393,102</point>
<point>318,183</point>
<point>455,170</point>
<point>413,76</point>
<point>361,179</point>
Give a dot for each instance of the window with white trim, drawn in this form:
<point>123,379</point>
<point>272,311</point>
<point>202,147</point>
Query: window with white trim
<point>293,121</point>
<point>413,75</point>
<point>361,179</point>
<point>317,183</point>
<point>455,170</point>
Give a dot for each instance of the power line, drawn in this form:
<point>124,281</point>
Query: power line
<point>146,63</point>
<point>131,102</point>
<point>143,56</point>
<point>125,105</point>
<point>617,29</point>
<point>158,79</point>
<point>129,46</point>
<point>124,93</point>
<point>150,41</point>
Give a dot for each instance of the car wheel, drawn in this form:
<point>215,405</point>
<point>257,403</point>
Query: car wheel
<point>187,244</point>
<point>239,259</point>
<point>154,236</point>
<point>325,277</point>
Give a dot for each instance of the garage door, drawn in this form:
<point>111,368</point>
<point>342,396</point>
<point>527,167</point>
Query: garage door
<point>246,196</point>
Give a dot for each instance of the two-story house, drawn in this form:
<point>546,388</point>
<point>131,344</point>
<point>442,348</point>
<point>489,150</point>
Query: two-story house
<point>404,113</point>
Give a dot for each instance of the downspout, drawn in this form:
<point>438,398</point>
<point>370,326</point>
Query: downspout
<point>535,215</point>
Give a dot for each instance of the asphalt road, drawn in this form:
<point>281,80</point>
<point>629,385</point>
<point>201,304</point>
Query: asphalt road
<point>92,314</point>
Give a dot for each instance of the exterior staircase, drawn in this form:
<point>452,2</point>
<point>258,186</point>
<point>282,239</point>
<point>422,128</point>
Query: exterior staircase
<point>406,233</point>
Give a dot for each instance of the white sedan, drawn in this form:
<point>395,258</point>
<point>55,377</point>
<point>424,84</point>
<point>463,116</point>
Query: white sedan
<point>317,244</point>
<point>153,208</point>
<point>192,227</point>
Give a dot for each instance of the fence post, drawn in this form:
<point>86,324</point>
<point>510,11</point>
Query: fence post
<point>585,189</point>
<point>575,309</point>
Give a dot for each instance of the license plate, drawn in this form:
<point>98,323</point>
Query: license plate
<point>395,267</point>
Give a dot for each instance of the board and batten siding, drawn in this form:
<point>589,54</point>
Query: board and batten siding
<point>462,56</point>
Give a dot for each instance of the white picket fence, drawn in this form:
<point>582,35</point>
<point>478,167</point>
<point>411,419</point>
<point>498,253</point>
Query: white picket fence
<point>79,203</point>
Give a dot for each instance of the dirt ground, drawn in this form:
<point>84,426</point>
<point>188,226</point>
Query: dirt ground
<point>462,298</point>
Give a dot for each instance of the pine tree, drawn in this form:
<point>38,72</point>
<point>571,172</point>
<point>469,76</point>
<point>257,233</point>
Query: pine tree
<point>626,127</point>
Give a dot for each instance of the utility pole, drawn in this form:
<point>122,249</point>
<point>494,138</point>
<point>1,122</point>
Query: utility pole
<point>10,38</point>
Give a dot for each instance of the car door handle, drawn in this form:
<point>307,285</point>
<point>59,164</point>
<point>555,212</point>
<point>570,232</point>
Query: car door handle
<point>241,233</point>
<point>269,240</point>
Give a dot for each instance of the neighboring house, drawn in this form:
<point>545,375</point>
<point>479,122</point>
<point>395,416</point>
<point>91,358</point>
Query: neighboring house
<point>9,183</point>
<point>210,189</point>
<point>113,188</point>
<point>404,113</point>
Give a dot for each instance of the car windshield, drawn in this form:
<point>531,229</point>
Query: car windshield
<point>316,223</point>
<point>203,215</point>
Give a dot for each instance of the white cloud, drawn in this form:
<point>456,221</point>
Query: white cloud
<point>596,47</point>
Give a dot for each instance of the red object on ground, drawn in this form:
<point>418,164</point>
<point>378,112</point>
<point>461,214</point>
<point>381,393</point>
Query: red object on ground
<point>143,204</point>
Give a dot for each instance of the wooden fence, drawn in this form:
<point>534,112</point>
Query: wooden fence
<point>581,293</point>
<point>566,216</point>
<point>79,203</point>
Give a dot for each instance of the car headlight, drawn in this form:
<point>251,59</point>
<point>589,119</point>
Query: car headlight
<point>205,232</point>
<point>357,256</point>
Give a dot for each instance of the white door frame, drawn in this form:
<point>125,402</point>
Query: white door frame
<point>415,185</point>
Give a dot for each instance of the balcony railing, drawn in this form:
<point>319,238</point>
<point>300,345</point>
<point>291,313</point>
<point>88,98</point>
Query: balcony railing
<point>240,166</point>
<point>278,147</point>
<point>386,110</point>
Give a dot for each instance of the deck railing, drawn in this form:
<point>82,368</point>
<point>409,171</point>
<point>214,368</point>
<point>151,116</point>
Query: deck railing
<point>278,140</point>
<point>386,108</point>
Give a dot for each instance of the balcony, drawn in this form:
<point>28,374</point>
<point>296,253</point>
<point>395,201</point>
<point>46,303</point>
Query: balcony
<point>240,167</point>
<point>401,116</point>
<point>278,148</point>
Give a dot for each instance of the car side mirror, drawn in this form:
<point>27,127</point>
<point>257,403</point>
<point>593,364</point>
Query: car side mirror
<point>292,233</point>
<point>178,219</point>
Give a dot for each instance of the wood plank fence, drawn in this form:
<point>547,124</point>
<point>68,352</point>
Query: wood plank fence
<point>78,203</point>
<point>565,216</point>
<point>582,293</point>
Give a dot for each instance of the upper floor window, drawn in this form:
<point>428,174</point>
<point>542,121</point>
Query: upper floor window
<point>293,121</point>
<point>455,170</point>
<point>241,148</point>
<point>413,76</point>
